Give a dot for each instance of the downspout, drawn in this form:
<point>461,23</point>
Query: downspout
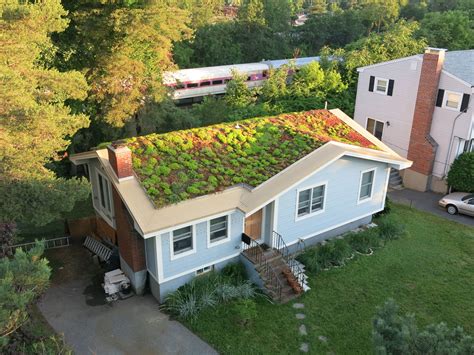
<point>451,139</point>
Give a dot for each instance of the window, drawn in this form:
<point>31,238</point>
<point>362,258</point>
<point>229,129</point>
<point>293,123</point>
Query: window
<point>182,240</point>
<point>381,85</point>
<point>180,86</point>
<point>205,83</point>
<point>226,81</point>
<point>375,127</point>
<point>216,82</point>
<point>218,229</point>
<point>104,193</point>
<point>249,78</point>
<point>310,201</point>
<point>366,185</point>
<point>204,270</point>
<point>192,85</point>
<point>452,100</point>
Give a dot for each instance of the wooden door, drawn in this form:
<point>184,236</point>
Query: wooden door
<point>253,225</point>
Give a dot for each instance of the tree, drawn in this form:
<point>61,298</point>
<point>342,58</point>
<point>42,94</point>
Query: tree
<point>461,174</point>
<point>22,279</point>
<point>252,11</point>
<point>275,87</point>
<point>36,123</point>
<point>277,14</point>
<point>130,77</point>
<point>238,94</point>
<point>396,334</point>
<point>379,13</point>
<point>452,30</point>
<point>396,42</point>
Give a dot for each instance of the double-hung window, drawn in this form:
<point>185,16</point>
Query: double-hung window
<point>452,100</point>
<point>366,185</point>
<point>218,229</point>
<point>104,194</point>
<point>183,240</point>
<point>381,85</point>
<point>375,127</point>
<point>310,200</point>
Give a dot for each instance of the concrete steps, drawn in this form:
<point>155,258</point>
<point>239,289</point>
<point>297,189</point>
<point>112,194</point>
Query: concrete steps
<point>395,181</point>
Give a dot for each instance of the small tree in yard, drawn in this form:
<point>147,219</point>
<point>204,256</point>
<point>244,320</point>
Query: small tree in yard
<point>396,334</point>
<point>461,174</point>
<point>22,279</point>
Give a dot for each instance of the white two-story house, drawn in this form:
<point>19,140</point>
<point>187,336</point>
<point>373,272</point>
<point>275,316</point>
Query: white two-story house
<point>421,107</point>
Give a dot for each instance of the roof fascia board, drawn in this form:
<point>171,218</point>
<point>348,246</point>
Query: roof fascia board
<point>416,56</point>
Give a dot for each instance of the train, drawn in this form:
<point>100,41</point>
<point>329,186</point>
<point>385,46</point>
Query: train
<point>192,85</point>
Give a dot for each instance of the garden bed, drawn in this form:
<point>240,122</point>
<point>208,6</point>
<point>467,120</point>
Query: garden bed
<point>184,164</point>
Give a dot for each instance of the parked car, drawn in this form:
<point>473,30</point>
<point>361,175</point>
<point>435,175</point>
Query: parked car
<point>458,202</point>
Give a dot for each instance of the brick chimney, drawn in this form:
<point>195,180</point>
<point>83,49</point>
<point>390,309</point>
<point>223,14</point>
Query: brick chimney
<point>422,148</point>
<point>120,158</point>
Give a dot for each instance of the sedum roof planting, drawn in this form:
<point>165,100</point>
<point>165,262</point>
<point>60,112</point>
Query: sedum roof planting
<point>180,165</point>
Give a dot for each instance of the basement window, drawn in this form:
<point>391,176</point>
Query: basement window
<point>204,270</point>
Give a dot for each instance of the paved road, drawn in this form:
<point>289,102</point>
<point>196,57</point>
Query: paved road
<point>427,201</point>
<point>76,306</point>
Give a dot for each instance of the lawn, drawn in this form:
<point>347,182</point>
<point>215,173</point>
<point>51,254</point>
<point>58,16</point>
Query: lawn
<point>429,272</point>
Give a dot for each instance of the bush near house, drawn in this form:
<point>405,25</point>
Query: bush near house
<point>461,174</point>
<point>396,334</point>
<point>209,290</point>
<point>184,164</point>
<point>338,251</point>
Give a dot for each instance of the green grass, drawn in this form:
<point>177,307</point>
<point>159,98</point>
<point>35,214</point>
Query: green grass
<point>429,272</point>
<point>55,229</point>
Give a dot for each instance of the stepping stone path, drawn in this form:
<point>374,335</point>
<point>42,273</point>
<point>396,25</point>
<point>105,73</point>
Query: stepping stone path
<point>300,316</point>
<point>304,347</point>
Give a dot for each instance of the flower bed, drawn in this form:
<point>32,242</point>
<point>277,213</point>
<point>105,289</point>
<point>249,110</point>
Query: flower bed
<point>184,164</point>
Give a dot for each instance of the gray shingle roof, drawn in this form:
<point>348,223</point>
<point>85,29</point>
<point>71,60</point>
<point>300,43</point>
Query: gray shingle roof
<point>460,64</point>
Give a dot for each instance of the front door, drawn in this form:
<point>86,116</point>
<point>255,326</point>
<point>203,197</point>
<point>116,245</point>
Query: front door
<point>253,225</point>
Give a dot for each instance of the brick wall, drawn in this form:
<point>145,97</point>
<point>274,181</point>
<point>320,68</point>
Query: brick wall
<point>421,149</point>
<point>131,244</point>
<point>120,158</point>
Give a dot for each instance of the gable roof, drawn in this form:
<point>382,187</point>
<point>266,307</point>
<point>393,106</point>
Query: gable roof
<point>460,64</point>
<point>149,219</point>
<point>180,165</point>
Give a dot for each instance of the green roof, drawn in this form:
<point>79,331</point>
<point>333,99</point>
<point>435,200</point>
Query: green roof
<point>180,165</point>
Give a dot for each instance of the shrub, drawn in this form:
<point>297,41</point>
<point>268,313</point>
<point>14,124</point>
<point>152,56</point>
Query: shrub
<point>390,229</point>
<point>461,174</point>
<point>341,251</point>
<point>234,272</point>
<point>396,334</point>
<point>363,241</point>
<point>310,260</point>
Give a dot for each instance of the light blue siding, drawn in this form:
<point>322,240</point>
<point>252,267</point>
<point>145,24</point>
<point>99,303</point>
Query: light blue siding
<point>150,248</point>
<point>341,202</point>
<point>203,254</point>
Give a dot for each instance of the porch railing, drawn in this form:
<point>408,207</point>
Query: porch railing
<point>253,251</point>
<point>280,245</point>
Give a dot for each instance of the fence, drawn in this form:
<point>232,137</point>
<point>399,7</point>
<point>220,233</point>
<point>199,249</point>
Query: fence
<point>48,244</point>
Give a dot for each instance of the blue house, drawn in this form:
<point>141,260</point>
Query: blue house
<point>180,204</point>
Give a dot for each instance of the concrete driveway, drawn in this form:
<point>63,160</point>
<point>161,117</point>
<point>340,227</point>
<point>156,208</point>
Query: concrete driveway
<point>78,309</point>
<point>427,201</point>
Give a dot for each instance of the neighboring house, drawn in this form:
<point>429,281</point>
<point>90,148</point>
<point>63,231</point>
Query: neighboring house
<point>183,203</point>
<point>421,107</point>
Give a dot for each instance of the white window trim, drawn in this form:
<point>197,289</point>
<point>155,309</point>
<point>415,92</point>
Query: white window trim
<point>373,119</point>
<point>311,214</point>
<point>445,98</point>
<point>109,215</point>
<point>386,87</point>
<point>220,241</point>
<point>174,256</point>
<point>366,199</point>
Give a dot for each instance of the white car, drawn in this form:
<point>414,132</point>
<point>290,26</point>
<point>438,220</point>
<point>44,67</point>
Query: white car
<point>458,202</point>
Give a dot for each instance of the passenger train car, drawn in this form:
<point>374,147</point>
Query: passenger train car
<point>191,85</point>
